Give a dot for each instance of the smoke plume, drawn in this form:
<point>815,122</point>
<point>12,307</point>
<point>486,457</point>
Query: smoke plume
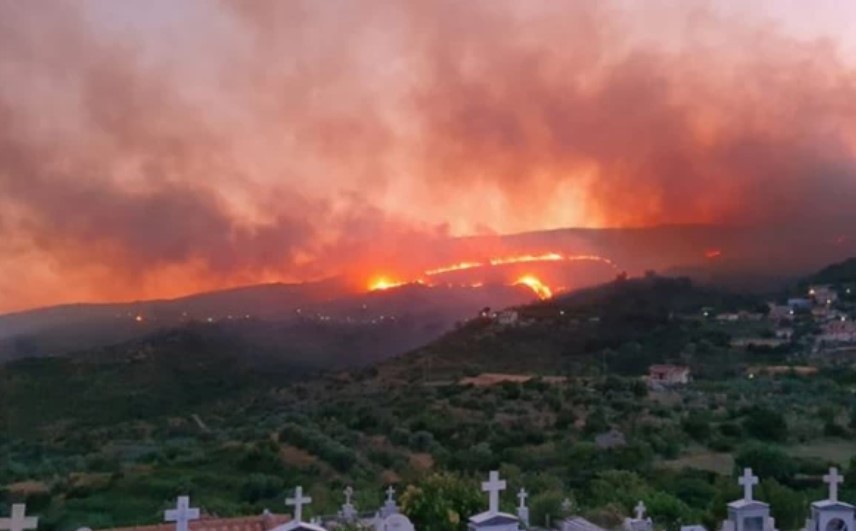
<point>243,141</point>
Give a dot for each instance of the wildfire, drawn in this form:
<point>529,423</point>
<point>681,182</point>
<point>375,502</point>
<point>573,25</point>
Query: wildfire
<point>542,290</point>
<point>710,254</point>
<point>521,259</point>
<point>463,266</point>
<point>549,257</point>
<point>382,283</point>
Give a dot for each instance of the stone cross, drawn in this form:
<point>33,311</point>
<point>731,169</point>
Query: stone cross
<point>833,479</point>
<point>390,493</point>
<point>19,520</point>
<point>298,502</point>
<point>493,487</point>
<point>348,492</point>
<point>567,506</point>
<point>522,495</point>
<point>640,510</point>
<point>747,481</point>
<point>182,514</point>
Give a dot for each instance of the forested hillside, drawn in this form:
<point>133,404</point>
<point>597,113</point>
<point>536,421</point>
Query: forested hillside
<point>110,437</point>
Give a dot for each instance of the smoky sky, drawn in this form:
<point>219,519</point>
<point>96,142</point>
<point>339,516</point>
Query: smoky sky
<point>262,140</point>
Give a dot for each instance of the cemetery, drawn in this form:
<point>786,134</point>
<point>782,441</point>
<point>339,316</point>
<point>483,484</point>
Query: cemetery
<point>745,514</point>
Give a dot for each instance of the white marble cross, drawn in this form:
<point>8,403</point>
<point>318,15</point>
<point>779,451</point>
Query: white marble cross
<point>19,520</point>
<point>640,510</point>
<point>298,502</point>
<point>390,492</point>
<point>182,514</point>
<point>747,481</point>
<point>348,492</point>
<point>522,495</point>
<point>833,479</point>
<point>493,486</point>
<point>567,505</point>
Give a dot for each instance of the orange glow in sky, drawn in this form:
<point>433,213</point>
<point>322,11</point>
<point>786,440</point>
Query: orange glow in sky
<point>158,149</point>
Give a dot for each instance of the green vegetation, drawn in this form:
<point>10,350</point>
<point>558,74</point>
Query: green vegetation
<point>111,437</point>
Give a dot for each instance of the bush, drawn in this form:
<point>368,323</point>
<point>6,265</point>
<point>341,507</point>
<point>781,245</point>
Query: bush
<point>697,426</point>
<point>442,502</point>
<point>260,486</point>
<point>767,462</point>
<point>766,424</point>
<point>421,441</point>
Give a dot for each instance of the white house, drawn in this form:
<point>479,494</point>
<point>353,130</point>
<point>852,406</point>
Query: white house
<point>507,317</point>
<point>838,332</point>
<point>823,295</point>
<point>669,374</point>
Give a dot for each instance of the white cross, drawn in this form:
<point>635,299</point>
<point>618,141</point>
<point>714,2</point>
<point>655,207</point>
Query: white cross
<point>348,492</point>
<point>748,481</point>
<point>493,486</point>
<point>182,514</point>
<point>390,492</point>
<point>567,505</point>
<point>640,510</point>
<point>833,479</point>
<point>19,520</point>
<point>298,502</point>
<point>522,495</point>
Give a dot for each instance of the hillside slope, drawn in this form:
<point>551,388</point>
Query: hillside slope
<point>621,327</point>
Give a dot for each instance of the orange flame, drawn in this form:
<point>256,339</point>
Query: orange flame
<point>452,268</point>
<point>549,257</point>
<point>521,259</point>
<point>542,290</point>
<point>382,283</point>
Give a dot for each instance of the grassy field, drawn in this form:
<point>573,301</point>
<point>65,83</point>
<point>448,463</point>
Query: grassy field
<point>832,450</point>
<point>721,463</point>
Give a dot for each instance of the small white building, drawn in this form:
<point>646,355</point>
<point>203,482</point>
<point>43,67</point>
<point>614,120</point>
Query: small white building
<point>493,519</point>
<point>823,294</point>
<point>639,522</point>
<point>611,439</point>
<point>297,523</point>
<point>507,317</point>
<point>831,514</point>
<point>784,333</point>
<point>838,332</point>
<point>669,374</point>
<point>748,514</point>
<point>578,523</point>
<point>780,312</point>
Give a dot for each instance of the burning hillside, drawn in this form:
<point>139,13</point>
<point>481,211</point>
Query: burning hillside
<point>523,269</point>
